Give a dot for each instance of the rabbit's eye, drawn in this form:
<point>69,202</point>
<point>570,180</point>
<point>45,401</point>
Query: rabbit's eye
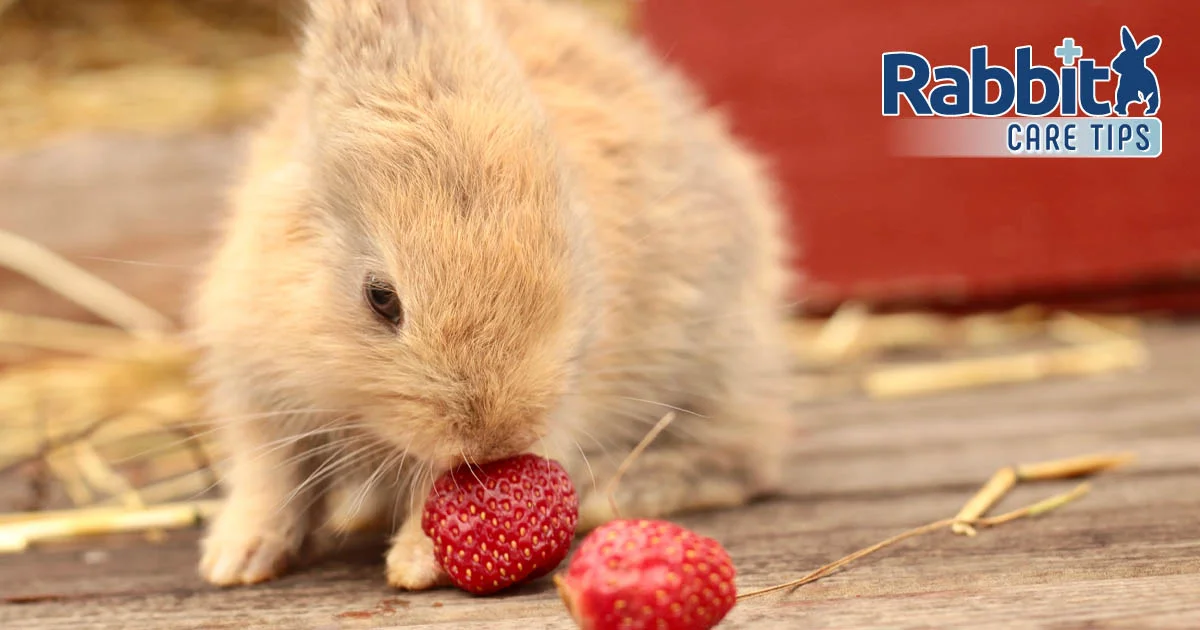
<point>382,299</point>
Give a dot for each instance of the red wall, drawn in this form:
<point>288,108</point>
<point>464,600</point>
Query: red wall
<point>802,80</point>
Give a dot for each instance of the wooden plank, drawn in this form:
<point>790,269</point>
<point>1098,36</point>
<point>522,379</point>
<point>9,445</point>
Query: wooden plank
<point>1125,556</point>
<point>137,211</point>
<point>1104,558</point>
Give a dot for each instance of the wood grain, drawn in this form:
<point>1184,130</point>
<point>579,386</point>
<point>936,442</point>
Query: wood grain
<point>137,211</point>
<point>1125,556</point>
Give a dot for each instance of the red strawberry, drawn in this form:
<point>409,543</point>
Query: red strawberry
<point>632,574</point>
<point>503,523</point>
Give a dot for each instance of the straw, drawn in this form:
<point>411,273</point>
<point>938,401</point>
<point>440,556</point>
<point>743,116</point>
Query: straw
<point>79,286</point>
<point>1036,509</point>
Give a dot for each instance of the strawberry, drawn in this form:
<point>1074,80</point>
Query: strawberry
<point>632,574</point>
<point>503,523</point>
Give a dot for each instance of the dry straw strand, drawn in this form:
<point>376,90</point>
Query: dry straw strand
<point>100,475</point>
<point>1008,477</point>
<point>1036,509</point>
<point>610,489</point>
<point>971,516</point>
<point>18,536</point>
<point>85,289</point>
<point>842,335</point>
<point>991,493</point>
<point>1073,467</point>
<point>927,378</point>
<point>44,333</point>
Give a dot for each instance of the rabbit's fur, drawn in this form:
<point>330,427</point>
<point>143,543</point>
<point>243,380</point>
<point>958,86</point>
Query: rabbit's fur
<point>578,246</point>
<point>1138,83</point>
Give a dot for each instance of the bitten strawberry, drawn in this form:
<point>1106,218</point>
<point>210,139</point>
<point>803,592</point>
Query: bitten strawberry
<point>633,574</point>
<point>503,523</point>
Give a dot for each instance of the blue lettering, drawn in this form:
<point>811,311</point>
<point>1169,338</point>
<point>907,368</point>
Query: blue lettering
<point>1124,134</point>
<point>1052,138</point>
<point>895,88</point>
<point>951,95</point>
<point>1089,75</point>
<point>1143,140</point>
<point>1014,133</point>
<point>1096,135</point>
<point>1027,75</point>
<point>1033,138</point>
<point>954,91</point>
<point>982,74</point>
<point>1069,103</point>
<point>1041,137</point>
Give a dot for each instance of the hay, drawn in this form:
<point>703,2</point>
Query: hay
<point>108,414</point>
<point>973,513</point>
<point>1029,511</point>
<point>856,351</point>
<point>1005,479</point>
<point>161,67</point>
<point>129,65</point>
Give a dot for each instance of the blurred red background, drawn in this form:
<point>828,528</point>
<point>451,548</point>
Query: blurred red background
<point>802,82</point>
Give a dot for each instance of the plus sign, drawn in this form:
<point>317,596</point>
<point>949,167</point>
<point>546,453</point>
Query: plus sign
<point>1068,52</point>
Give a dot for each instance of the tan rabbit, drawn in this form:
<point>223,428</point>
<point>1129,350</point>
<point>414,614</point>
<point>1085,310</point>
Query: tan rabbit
<point>477,228</point>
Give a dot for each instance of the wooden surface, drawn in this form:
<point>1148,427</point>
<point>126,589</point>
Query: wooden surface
<point>137,211</point>
<point>1126,556</point>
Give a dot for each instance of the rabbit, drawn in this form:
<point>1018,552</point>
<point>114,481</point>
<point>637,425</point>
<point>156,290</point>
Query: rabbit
<point>472,229</point>
<point>1137,83</point>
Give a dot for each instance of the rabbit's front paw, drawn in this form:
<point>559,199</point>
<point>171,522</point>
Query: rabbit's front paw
<point>242,549</point>
<point>410,562</point>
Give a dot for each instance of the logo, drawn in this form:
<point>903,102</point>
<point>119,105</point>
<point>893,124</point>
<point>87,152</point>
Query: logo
<point>1084,108</point>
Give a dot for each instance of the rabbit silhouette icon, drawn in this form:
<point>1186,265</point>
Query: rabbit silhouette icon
<point>1136,82</point>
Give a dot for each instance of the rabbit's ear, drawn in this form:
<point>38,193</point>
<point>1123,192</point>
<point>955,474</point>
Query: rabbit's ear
<point>1127,40</point>
<point>1149,46</point>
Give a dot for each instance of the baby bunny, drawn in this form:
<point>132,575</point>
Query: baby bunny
<point>1137,82</point>
<point>476,228</point>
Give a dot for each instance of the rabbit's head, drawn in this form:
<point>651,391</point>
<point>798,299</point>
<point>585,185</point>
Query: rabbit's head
<point>450,303</point>
<point>1133,55</point>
